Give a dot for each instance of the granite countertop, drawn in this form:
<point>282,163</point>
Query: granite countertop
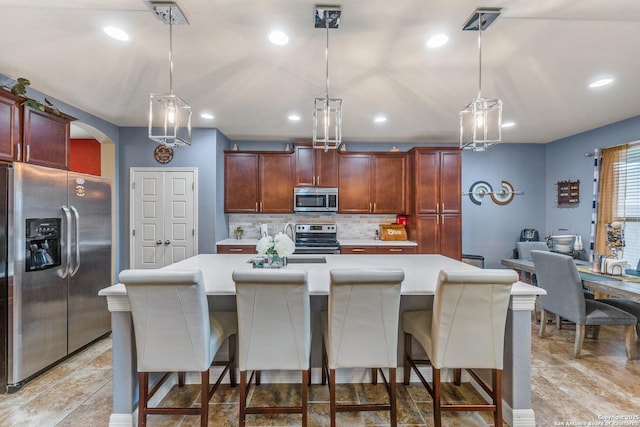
<point>343,242</point>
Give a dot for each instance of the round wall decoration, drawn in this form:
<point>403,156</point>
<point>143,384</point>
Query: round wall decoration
<point>163,154</point>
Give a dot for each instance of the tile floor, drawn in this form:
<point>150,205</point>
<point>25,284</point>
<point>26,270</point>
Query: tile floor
<point>602,383</point>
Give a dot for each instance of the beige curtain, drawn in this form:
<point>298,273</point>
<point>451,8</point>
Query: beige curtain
<point>611,182</point>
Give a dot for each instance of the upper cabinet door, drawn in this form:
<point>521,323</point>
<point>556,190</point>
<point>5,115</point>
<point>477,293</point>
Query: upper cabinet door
<point>450,185</point>
<point>9,126</point>
<point>46,139</point>
<point>389,192</point>
<point>276,183</point>
<point>315,168</point>
<point>326,168</point>
<point>427,177</point>
<point>305,166</point>
<point>241,183</point>
<point>354,183</point>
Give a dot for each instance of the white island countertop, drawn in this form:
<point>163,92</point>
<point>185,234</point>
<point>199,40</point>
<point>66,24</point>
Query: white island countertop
<point>421,271</point>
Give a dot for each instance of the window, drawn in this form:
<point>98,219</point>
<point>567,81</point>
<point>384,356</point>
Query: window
<point>619,199</point>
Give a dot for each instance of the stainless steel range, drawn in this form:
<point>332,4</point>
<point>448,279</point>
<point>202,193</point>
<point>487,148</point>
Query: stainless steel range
<point>317,239</point>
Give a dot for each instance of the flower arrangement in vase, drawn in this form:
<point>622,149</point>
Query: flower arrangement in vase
<point>275,249</point>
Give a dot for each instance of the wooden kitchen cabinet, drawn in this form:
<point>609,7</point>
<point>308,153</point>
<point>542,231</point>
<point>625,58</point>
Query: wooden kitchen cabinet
<point>360,250</point>
<point>396,250</point>
<point>372,183</point>
<point>10,136</point>
<point>437,178</point>
<point>315,167</point>
<point>371,250</point>
<point>236,249</point>
<point>439,234</point>
<point>46,138</point>
<point>435,206</point>
<point>258,182</point>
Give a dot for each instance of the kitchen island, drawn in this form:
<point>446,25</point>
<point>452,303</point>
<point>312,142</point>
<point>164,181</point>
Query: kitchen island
<point>418,288</point>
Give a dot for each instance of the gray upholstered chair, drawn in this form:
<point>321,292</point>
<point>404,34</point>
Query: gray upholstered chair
<point>631,307</point>
<point>360,330</point>
<point>175,332</point>
<point>525,248</point>
<point>274,331</point>
<point>464,330</point>
<point>558,275</point>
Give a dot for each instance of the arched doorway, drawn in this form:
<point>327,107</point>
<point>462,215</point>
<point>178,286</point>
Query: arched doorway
<point>107,167</point>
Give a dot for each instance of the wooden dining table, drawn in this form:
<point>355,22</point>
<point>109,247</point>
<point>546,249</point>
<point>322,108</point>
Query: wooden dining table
<point>618,286</point>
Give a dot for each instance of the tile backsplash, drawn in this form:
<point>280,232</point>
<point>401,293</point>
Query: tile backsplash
<point>349,226</point>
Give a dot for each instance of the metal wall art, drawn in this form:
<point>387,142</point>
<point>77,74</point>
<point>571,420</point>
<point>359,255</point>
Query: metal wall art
<point>479,189</point>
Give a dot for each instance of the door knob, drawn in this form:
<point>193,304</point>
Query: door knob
<point>166,242</point>
<point>158,242</point>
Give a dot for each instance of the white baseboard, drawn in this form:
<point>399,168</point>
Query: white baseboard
<point>121,420</point>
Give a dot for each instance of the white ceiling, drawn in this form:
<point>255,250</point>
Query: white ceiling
<point>538,57</point>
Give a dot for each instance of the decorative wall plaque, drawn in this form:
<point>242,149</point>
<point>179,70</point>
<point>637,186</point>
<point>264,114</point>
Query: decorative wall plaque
<point>163,154</point>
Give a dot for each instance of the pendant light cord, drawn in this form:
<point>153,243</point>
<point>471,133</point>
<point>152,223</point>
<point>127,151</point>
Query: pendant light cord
<point>480,54</point>
<point>170,49</point>
<point>326,21</point>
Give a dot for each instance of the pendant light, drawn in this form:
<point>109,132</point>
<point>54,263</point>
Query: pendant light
<point>481,119</point>
<point>327,112</point>
<point>169,115</point>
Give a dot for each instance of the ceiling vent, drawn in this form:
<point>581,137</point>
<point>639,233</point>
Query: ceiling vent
<point>162,8</point>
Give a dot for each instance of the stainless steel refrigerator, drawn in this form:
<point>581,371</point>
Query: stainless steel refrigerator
<point>55,243</point>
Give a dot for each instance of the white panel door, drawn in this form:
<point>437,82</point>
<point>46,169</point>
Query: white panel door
<point>163,216</point>
<point>179,229</point>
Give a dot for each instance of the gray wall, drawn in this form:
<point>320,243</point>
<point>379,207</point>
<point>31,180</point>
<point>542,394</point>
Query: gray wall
<point>566,160</point>
<point>489,229</point>
<point>205,152</point>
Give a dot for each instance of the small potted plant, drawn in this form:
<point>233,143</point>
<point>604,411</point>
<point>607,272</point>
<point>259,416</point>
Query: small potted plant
<point>238,232</point>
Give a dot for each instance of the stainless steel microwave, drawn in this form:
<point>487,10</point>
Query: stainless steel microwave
<point>313,199</point>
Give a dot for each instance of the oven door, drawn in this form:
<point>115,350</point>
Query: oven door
<point>327,250</point>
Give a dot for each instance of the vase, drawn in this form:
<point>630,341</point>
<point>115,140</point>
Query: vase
<point>274,261</point>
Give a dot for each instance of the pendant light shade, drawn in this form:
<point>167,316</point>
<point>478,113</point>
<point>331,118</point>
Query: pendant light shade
<point>327,112</point>
<point>169,115</point>
<point>481,119</point>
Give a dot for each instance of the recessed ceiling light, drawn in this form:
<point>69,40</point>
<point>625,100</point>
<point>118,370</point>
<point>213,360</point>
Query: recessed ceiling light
<point>278,38</point>
<point>508,124</point>
<point>438,40</point>
<point>294,117</point>
<point>601,82</point>
<point>116,33</point>
<point>207,116</point>
<point>380,119</point>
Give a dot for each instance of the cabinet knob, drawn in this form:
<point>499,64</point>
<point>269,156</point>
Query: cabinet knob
<point>235,250</point>
<point>167,242</point>
<point>357,250</point>
<point>158,242</point>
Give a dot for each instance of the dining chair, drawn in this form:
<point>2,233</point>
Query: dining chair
<point>464,330</point>
<point>175,332</point>
<point>360,330</point>
<point>274,332</point>
<point>631,307</point>
<point>559,276</point>
<point>525,248</point>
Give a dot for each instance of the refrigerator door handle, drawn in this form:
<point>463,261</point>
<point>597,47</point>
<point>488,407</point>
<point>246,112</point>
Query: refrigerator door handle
<point>67,215</point>
<point>77,239</point>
